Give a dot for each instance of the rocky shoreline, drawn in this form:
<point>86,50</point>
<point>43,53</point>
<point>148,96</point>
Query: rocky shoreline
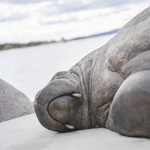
<point>20,45</point>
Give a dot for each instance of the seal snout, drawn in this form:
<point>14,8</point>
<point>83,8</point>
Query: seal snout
<point>63,109</point>
<point>58,103</point>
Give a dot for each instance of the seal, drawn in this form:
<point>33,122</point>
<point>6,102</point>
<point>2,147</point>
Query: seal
<point>108,88</point>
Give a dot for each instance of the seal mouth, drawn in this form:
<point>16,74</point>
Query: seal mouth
<point>57,104</point>
<point>64,109</point>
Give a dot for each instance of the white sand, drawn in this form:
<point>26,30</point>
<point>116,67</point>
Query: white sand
<point>26,133</point>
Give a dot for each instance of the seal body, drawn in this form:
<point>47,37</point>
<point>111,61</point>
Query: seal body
<point>87,96</point>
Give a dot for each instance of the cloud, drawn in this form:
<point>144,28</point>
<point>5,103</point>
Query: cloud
<point>78,3</point>
<point>69,6</point>
<point>46,20</point>
<point>23,1</point>
<point>13,17</point>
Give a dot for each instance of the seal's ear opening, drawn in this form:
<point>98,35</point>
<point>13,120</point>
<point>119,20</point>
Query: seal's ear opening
<point>53,90</point>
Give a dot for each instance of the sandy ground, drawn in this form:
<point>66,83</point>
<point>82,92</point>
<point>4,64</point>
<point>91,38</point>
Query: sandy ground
<point>26,133</point>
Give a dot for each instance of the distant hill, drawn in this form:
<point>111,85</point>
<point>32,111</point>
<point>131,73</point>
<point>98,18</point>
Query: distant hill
<point>95,35</point>
<point>20,45</point>
<point>104,33</point>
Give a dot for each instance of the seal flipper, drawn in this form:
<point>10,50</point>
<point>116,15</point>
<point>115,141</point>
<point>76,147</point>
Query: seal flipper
<point>129,112</point>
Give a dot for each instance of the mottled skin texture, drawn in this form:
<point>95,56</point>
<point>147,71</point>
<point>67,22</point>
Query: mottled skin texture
<point>113,82</point>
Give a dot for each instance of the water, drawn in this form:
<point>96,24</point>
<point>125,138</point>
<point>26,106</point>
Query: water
<point>29,69</point>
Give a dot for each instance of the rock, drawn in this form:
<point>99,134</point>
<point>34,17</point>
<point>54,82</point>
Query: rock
<point>13,103</point>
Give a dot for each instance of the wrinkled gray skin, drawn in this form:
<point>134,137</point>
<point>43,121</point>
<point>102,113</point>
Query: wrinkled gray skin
<point>13,103</point>
<point>114,83</point>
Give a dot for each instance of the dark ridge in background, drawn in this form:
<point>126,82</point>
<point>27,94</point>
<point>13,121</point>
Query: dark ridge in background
<point>20,45</point>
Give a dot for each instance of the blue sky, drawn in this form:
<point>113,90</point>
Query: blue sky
<point>36,20</point>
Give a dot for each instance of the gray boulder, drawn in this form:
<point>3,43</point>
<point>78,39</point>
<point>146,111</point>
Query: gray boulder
<point>13,103</point>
